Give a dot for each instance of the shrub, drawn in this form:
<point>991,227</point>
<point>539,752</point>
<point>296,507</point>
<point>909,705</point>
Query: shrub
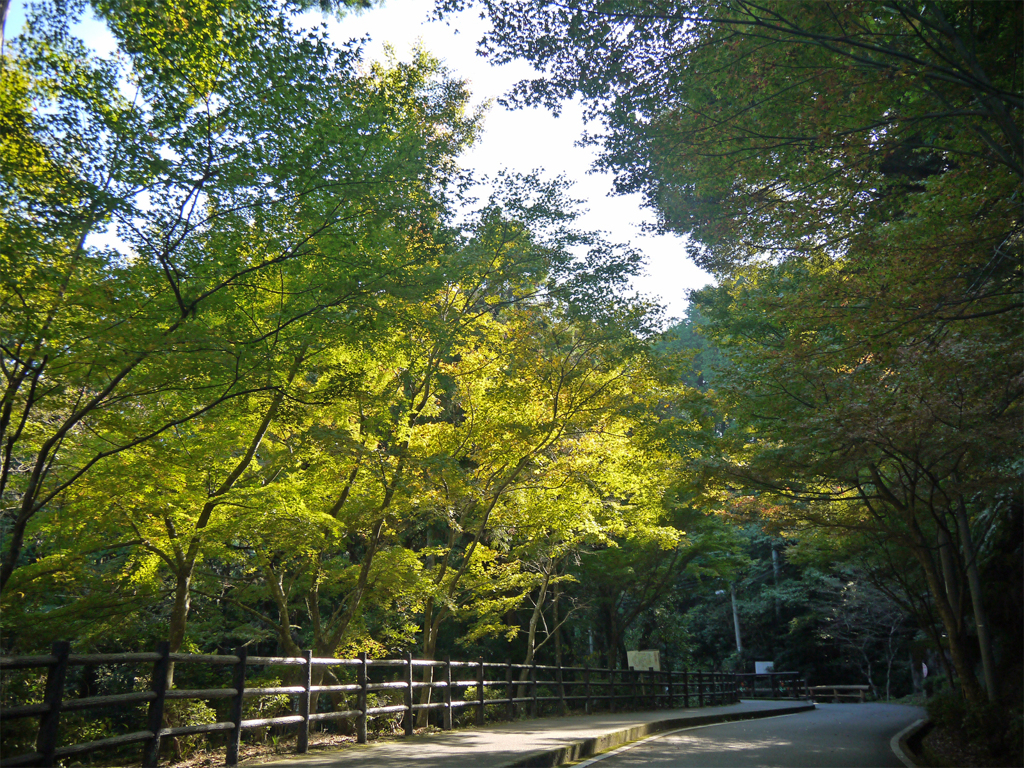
<point>262,707</point>
<point>180,713</point>
<point>386,724</point>
<point>20,687</point>
<point>998,730</point>
<point>947,709</point>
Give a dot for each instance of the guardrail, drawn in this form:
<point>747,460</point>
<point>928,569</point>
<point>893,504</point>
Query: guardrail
<point>589,687</point>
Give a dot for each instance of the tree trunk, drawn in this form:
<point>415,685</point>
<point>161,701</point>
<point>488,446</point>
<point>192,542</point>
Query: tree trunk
<point>186,560</point>
<point>974,584</point>
<point>531,635</point>
<point>972,691</point>
<point>179,611</point>
<point>776,569</point>
<point>950,575</point>
<point>179,616</point>
<point>916,678</point>
<point>736,618</point>
<point>558,642</point>
<point>429,649</point>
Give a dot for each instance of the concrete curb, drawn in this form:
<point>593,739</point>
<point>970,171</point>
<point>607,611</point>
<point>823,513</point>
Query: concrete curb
<point>907,744</point>
<point>584,748</point>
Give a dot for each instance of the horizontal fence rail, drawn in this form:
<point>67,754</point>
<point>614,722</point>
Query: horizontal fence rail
<point>365,689</point>
<point>772,685</point>
<point>838,693</point>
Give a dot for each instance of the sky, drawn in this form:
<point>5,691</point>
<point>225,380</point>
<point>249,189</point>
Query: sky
<point>520,140</point>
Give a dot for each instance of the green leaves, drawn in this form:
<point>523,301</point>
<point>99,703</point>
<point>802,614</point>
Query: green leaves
<point>260,191</point>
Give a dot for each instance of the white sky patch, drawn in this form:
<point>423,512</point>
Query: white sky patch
<point>524,140</point>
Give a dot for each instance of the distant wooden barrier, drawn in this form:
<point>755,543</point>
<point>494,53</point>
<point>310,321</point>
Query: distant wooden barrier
<point>840,692</point>
<point>773,685</point>
<point>589,687</point>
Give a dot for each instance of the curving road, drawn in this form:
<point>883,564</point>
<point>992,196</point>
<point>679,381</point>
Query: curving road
<point>832,736</point>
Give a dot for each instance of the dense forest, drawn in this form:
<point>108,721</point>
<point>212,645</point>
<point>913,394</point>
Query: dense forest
<point>278,371</point>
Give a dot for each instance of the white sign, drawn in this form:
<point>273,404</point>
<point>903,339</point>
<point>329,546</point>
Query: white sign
<point>763,667</point>
<point>644,660</point>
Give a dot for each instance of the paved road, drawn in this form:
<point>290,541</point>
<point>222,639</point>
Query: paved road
<point>832,736</point>
<point>505,744</point>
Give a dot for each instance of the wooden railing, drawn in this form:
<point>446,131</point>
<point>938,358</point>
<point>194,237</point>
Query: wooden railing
<point>775,685</point>
<point>838,693</point>
<point>586,688</point>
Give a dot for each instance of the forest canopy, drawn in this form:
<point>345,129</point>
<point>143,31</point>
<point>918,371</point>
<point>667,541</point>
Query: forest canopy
<point>277,373</point>
<point>851,174</point>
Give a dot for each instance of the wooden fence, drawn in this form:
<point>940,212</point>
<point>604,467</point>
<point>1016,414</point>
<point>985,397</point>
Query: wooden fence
<point>773,685</point>
<point>488,684</point>
<point>838,693</point>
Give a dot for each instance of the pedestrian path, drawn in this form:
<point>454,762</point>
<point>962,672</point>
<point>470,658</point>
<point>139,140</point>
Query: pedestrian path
<point>536,743</point>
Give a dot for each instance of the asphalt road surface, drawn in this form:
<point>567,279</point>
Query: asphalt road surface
<point>832,736</point>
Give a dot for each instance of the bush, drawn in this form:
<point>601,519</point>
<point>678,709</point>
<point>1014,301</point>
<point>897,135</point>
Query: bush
<point>19,687</point>
<point>387,724</point>
<point>1015,736</point>
<point>179,713</point>
<point>990,725</point>
<point>466,716</point>
<point>263,707</point>
<point>947,709</point>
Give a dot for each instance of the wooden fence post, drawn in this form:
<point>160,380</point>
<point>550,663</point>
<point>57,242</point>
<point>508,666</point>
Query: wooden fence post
<point>700,689</point>
<point>49,722</point>
<point>302,746</point>
<point>686,689</point>
<point>363,678</point>
<point>654,688</point>
<point>155,715</point>
<point>409,721</point>
<point>511,706</point>
<point>671,691</point>
<point>586,689</point>
<point>561,691</point>
<point>446,723</point>
<point>238,683</point>
<point>480,691</point>
<point>775,684</point>
<point>533,690</point>
<point>611,689</point>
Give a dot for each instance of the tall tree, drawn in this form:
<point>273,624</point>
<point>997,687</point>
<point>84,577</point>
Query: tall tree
<point>864,162</point>
<point>909,431</point>
<point>253,169</point>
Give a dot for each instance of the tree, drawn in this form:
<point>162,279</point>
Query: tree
<point>868,427</point>
<point>774,128</point>
<point>867,625</point>
<point>863,162</point>
<point>256,161</point>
